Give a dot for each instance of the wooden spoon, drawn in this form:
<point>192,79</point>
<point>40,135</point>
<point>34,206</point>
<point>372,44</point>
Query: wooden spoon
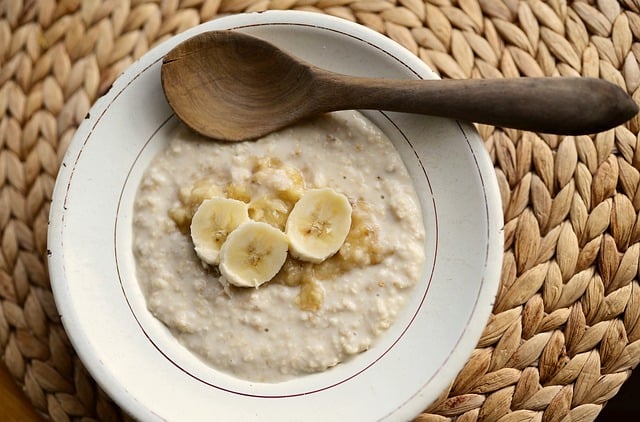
<point>231,86</point>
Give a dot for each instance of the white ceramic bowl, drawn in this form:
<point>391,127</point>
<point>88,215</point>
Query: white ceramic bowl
<point>134,357</point>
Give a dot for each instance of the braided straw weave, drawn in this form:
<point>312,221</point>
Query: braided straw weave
<point>565,332</point>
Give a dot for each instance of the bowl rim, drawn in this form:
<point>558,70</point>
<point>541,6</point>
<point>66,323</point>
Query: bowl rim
<point>94,365</point>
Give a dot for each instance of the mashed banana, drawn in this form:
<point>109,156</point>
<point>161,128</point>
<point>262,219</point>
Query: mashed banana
<point>310,317</point>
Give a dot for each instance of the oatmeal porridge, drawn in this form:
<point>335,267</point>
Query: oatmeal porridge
<point>314,313</point>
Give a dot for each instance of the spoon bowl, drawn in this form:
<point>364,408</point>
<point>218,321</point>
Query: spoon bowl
<point>253,85</point>
<point>232,86</point>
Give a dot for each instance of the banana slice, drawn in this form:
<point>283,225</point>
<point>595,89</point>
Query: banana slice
<point>318,224</point>
<point>212,222</point>
<point>253,254</point>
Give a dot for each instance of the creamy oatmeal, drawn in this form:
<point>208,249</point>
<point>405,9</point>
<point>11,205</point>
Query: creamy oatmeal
<point>310,316</point>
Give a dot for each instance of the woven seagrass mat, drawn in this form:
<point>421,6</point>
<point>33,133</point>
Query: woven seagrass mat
<point>565,332</point>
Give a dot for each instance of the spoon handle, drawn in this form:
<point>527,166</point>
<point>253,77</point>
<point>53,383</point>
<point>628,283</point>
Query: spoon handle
<point>560,105</point>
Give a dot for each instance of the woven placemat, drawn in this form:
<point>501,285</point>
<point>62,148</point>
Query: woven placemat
<point>565,330</point>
